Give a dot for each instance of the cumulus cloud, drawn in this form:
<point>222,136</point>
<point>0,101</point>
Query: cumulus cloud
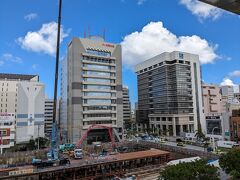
<point>155,39</point>
<point>202,10</point>
<point>235,73</point>
<point>228,82</point>
<point>10,58</point>
<point>43,40</point>
<point>30,16</point>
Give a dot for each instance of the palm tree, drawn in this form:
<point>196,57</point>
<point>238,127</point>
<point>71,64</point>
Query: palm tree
<point>199,135</point>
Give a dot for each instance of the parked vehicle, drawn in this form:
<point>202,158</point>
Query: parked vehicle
<point>78,154</point>
<point>227,144</point>
<point>180,144</point>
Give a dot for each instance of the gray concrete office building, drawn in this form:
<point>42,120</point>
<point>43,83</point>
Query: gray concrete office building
<point>91,89</point>
<point>169,93</point>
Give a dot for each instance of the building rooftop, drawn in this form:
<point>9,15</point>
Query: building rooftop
<point>17,76</point>
<point>140,154</point>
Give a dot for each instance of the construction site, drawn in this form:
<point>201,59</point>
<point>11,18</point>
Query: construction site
<point>121,160</point>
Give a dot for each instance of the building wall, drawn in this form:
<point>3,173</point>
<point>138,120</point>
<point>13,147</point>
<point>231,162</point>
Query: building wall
<point>30,111</point>
<point>63,102</point>
<point>126,108</point>
<point>235,125</point>
<point>94,86</point>
<point>169,86</point>
<point>212,99</point>
<point>7,130</point>
<point>48,116</point>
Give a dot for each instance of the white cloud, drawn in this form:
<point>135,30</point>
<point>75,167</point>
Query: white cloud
<point>9,57</point>
<point>34,66</point>
<point>202,10</point>
<point>43,40</point>
<point>228,82</point>
<point>155,39</point>
<point>30,16</point>
<point>235,73</point>
<point>140,2</point>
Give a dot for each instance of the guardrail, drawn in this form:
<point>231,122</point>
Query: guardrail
<point>176,149</point>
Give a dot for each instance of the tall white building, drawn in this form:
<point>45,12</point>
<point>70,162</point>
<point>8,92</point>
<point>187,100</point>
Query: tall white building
<point>23,96</point>
<point>91,89</point>
<point>170,93</point>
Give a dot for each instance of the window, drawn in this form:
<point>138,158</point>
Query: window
<point>181,55</point>
<point>97,80</point>
<point>89,86</point>
<point>98,101</point>
<point>98,53</point>
<point>106,74</point>
<point>94,66</point>
<point>97,94</point>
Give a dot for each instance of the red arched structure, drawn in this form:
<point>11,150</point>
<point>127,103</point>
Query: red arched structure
<point>96,126</point>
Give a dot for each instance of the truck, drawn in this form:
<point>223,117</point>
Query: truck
<point>78,154</point>
<point>227,144</point>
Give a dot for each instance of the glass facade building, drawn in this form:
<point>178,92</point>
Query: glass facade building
<point>169,93</point>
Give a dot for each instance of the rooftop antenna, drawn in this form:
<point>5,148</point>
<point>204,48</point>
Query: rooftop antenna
<point>88,31</point>
<point>104,34</point>
<point>85,33</point>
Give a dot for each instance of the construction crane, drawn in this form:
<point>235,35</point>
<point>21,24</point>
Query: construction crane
<point>53,152</point>
<point>110,133</point>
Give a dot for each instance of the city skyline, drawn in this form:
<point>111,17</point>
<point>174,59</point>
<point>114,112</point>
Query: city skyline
<point>20,52</point>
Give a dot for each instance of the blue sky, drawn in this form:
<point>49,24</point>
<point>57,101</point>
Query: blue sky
<point>144,28</point>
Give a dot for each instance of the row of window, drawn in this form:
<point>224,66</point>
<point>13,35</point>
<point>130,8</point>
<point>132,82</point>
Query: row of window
<point>99,60</point>
<point>96,80</point>
<point>100,108</point>
<point>162,63</point>
<point>100,87</point>
<point>99,101</point>
<point>97,122</point>
<point>97,66</point>
<point>99,53</point>
<point>98,115</point>
<point>104,74</point>
<point>91,94</point>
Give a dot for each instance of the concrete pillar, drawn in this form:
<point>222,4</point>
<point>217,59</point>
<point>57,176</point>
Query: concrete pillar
<point>174,127</point>
<point>168,130</point>
<point>181,128</point>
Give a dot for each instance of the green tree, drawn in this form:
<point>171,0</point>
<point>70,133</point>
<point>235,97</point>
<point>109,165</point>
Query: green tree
<point>31,145</point>
<point>199,135</point>
<point>197,170</point>
<point>43,142</point>
<point>230,163</point>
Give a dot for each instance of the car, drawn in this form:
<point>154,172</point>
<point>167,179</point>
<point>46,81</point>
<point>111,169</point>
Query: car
<point>180,144</point>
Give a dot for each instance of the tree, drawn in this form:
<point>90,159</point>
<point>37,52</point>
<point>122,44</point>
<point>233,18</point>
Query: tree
<point>199,135</point>
<point>230,163</point>
<point>197,170</point>
<point>31,145</point>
